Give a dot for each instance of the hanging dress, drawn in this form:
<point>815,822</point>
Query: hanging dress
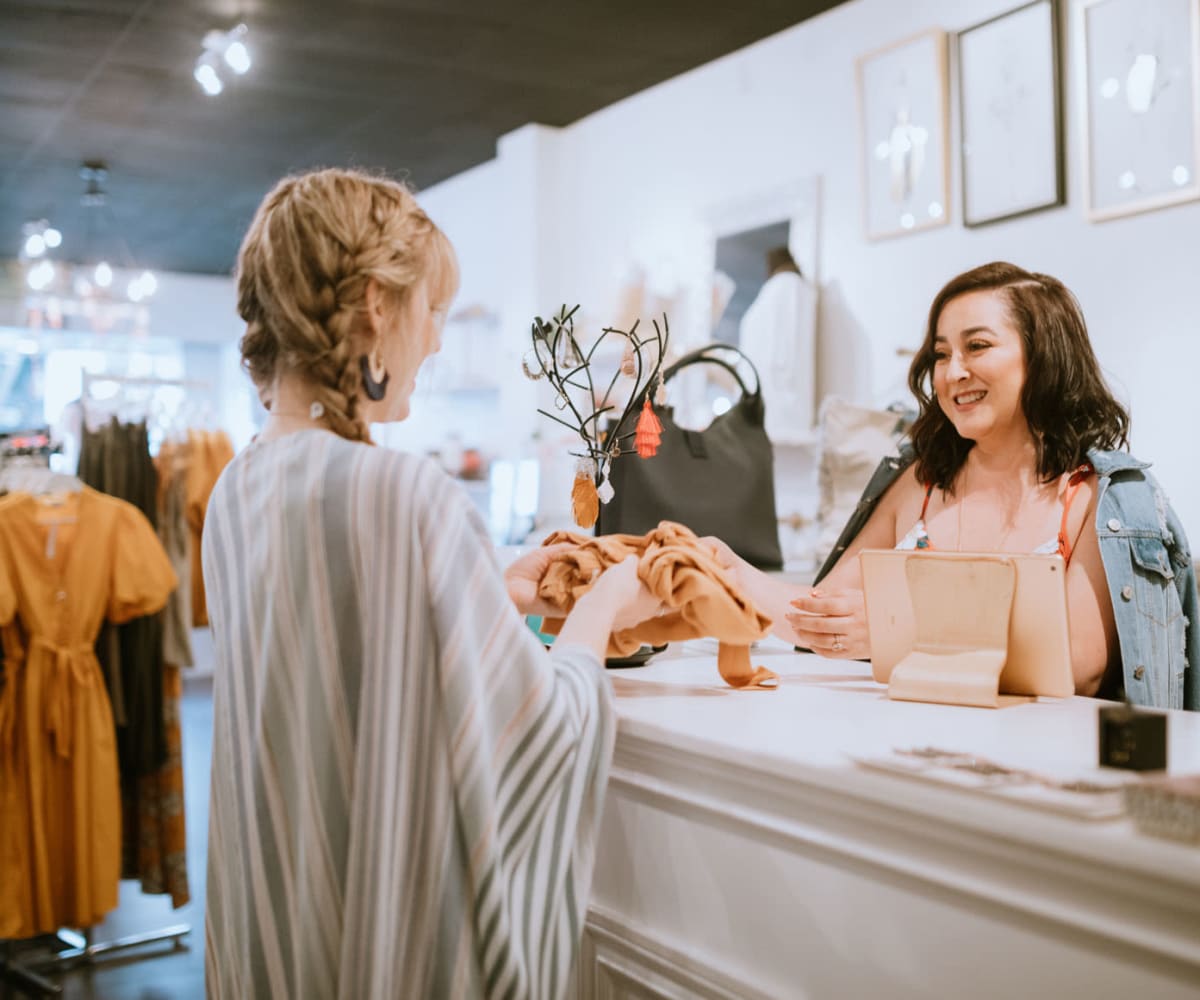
<point>60,843</point>
<point>141,660</point>
<point>155,824</point>
<point>211,451</point>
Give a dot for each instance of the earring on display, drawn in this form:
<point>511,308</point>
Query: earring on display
<point>531,366</point>
<point>628,361</point>
<point>375,377</point>
<point>585,504</point>
<point>605,491</point>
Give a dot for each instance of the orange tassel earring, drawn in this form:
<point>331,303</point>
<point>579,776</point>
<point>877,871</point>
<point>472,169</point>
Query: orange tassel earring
<point>648,435</point>
<point>585,504</point>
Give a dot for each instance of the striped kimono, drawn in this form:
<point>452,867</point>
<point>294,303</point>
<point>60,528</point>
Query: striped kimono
<point>406,788</point>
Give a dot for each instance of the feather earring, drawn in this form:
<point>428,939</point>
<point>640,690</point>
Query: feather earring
<point>585,504</point>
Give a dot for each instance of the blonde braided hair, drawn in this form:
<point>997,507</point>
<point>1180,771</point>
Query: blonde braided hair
<point>316,241</point>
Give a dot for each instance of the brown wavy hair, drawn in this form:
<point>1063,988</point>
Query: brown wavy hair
<point>1066,402</point>
<point>316,241</point>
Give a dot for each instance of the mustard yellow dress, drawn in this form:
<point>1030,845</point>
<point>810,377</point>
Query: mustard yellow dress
<point>210,452</point>
<point>64,568</point>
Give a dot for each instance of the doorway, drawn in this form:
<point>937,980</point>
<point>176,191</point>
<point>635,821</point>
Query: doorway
<point>742,258</point>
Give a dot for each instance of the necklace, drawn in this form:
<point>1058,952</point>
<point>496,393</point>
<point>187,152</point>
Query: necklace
<point>315,412</point>
<point>1012,521</point>
<point>962,501</point>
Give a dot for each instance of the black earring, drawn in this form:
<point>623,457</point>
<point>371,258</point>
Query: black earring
<point>375,386</point>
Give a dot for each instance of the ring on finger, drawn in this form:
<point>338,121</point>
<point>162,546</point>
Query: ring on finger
<point>838,646</point>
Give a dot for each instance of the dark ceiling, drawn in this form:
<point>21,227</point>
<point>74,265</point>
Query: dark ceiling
<point>420,88</point>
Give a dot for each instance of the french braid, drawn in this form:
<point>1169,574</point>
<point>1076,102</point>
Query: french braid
<point>303,269</point>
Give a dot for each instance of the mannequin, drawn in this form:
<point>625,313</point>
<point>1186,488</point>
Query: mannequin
<point>778,332</point>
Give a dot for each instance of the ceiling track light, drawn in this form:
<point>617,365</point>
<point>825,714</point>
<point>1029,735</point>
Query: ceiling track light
<point>236,55</point>
<point>222,50</point>
<point>207,76</point>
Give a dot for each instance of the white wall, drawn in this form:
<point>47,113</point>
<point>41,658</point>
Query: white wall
<point>468,209</point>
<point>197,308</point>
<point>638,182</point>
<point>563,215</point>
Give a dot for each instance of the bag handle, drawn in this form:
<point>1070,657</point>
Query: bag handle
<point>702,355</point>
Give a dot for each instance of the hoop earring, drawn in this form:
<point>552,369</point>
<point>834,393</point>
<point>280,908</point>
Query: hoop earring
<point>374,385</point>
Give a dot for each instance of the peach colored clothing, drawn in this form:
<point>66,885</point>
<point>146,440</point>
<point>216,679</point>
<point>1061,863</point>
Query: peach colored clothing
<point>700,598</point>
<point>209,453</point>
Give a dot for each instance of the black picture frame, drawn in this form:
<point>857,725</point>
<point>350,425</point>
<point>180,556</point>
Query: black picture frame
<point>1010,114</point>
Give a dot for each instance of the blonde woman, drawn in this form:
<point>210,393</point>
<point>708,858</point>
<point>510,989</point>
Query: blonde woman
<point>405,785</point>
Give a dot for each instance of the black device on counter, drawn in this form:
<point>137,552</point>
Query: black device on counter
<point>1132,739</point>
<point>638,658</point>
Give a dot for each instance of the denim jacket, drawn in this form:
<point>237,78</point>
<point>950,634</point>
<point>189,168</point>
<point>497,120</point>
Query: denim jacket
<point>1147,564</point>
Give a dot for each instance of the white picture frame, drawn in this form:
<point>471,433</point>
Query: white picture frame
<point>1010,115</point>
<point>904,127</point>
<point>1139,89</point>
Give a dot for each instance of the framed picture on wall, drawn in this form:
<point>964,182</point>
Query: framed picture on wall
<point>1139,85</point>
<point>902,94</point>
<point>1010,114</point>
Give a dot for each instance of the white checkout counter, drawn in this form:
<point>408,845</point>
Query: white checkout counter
<point>743,853</point>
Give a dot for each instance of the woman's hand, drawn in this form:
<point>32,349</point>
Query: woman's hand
<point>626,594</point>
<point>522,577</point>
<point>767,593</point>
<point>633,601</point>
<point>833,624</point>
<point>617,600</point>
<point>726,558</point>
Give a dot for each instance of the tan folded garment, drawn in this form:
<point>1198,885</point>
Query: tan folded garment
<point>681,572</point>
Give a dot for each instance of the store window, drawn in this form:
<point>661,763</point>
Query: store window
<point>21,378</point>
<point>42,373</point>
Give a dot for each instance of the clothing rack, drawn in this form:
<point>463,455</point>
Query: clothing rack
<point>23,977</point>
<point>23,443</point>
<point>75,948</point>
<point>25,458</point>
<point>201,389</point>
<point>148,381</point>
<point>90,379</point>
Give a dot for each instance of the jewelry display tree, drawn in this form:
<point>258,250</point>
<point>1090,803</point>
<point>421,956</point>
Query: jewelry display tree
<point>557,357</point>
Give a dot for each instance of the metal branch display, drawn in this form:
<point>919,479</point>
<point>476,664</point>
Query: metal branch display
<point>557,357</point>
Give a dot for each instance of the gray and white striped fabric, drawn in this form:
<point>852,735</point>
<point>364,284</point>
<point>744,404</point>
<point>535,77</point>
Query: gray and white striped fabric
<point>405,787</point>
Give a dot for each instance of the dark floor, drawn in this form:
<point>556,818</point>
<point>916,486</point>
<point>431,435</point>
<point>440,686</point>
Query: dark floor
<point>159,971</point>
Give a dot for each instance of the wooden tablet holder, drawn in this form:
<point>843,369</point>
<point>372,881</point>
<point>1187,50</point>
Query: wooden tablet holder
<point>962,613</point>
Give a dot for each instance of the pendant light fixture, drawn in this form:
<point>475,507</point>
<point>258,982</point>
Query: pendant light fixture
<point>97,287</point>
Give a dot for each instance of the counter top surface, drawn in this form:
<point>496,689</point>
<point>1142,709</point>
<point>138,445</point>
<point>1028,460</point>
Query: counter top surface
<point>825,713</point>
